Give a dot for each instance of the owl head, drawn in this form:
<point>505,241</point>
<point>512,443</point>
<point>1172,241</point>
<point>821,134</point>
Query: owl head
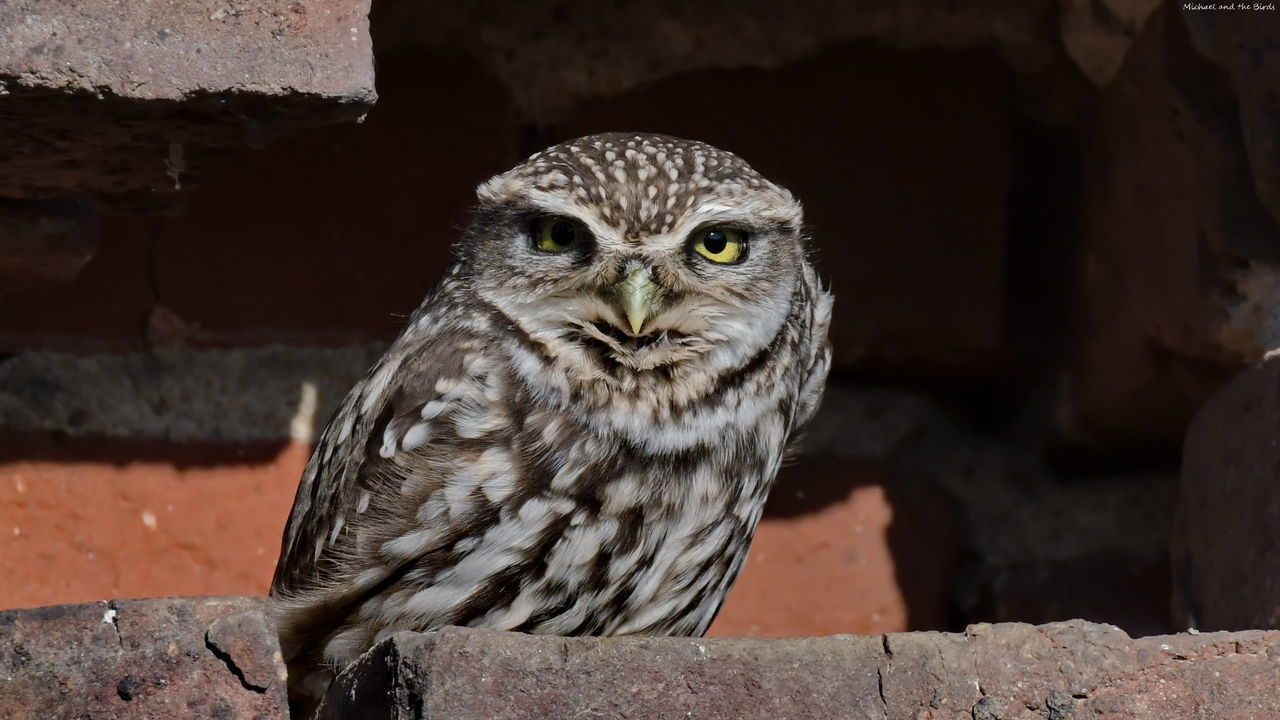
<point>636,253</point>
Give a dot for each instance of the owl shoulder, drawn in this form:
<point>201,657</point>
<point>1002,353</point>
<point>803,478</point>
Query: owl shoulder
<point>406,408</point>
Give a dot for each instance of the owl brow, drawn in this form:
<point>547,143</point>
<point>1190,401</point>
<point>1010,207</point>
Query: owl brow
<point>750,231</point>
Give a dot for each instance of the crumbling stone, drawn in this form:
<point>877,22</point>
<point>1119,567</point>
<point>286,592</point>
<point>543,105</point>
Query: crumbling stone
<point>133,98</point>
<point>1065,670</point>
<point>1228,571</point>
<point>165,658</point>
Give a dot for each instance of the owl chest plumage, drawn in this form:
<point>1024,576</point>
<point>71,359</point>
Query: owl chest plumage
<point>531,511</point>
<point>478,477</point>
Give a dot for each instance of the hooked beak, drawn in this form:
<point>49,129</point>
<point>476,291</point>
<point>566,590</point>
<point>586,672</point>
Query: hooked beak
<point>638,296</point>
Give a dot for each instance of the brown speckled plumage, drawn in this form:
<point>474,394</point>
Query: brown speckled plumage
<point>522,459</point>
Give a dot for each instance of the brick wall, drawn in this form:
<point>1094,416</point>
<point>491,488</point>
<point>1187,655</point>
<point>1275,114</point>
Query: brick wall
<point>1038,282</point>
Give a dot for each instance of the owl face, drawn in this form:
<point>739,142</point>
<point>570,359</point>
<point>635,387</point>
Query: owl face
<point>626,252</point>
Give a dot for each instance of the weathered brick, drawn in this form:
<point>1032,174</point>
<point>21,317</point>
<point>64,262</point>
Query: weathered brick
<point>140,519</point>
<point>175,393</point>
<point>337,235</point>
<point>1228,572</point>
<point>196,658</point>
<point>1007,672</point>
<point>845,547</point>
<point>1177,282</point>
<point>112,98</point>
<point>1029,542</point>
<point>104,308</point>
<point>44,242</point>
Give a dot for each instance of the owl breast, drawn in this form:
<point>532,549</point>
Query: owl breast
<point>554,518</point>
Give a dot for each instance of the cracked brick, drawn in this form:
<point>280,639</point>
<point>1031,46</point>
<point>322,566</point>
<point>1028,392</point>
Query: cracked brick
<point>141,659</point>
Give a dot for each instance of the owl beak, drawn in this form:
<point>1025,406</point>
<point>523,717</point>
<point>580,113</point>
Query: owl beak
<point>638,297</point>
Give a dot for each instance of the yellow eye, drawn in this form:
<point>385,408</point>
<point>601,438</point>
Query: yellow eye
<point>720,244</point>
<point>557,234</point>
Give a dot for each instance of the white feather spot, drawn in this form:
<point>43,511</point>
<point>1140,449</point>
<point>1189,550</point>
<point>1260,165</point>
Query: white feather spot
<point>433,409</point>
<point>417,436</point>
<point>388,448</point>
<point>413,544</point>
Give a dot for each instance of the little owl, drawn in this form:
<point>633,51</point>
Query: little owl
<point>576,432</point>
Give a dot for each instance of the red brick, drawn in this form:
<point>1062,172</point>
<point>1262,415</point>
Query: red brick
<point>104,308</point>
<point>115,98</point>
<point>325,238</point>
<point>1062,671</point>
<point>191,658</point>
<point>337,235</point>
<point>1226,564</point>
<point>1173,291</point>
<point>843,548</point>
<point>77,530</point>
<point>903,163</point>
<point>45,242</point>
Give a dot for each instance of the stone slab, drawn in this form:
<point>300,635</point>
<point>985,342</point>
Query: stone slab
<point>1229,507</point>
<point>185,658</point>
<point>1073,670</point>
<point>115,98</point>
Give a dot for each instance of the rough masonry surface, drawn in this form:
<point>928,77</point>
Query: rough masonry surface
<point>1061,671</point>
<point>190,658</point>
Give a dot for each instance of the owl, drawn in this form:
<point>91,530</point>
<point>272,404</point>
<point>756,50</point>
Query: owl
<point>576,431</point>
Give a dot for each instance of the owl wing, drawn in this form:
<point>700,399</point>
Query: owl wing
<point>380,439</point>
<point>817,355</point>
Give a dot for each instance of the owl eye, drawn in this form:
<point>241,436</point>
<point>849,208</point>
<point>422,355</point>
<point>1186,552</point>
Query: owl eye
<point>721,245</point>
<point>557,234</point>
